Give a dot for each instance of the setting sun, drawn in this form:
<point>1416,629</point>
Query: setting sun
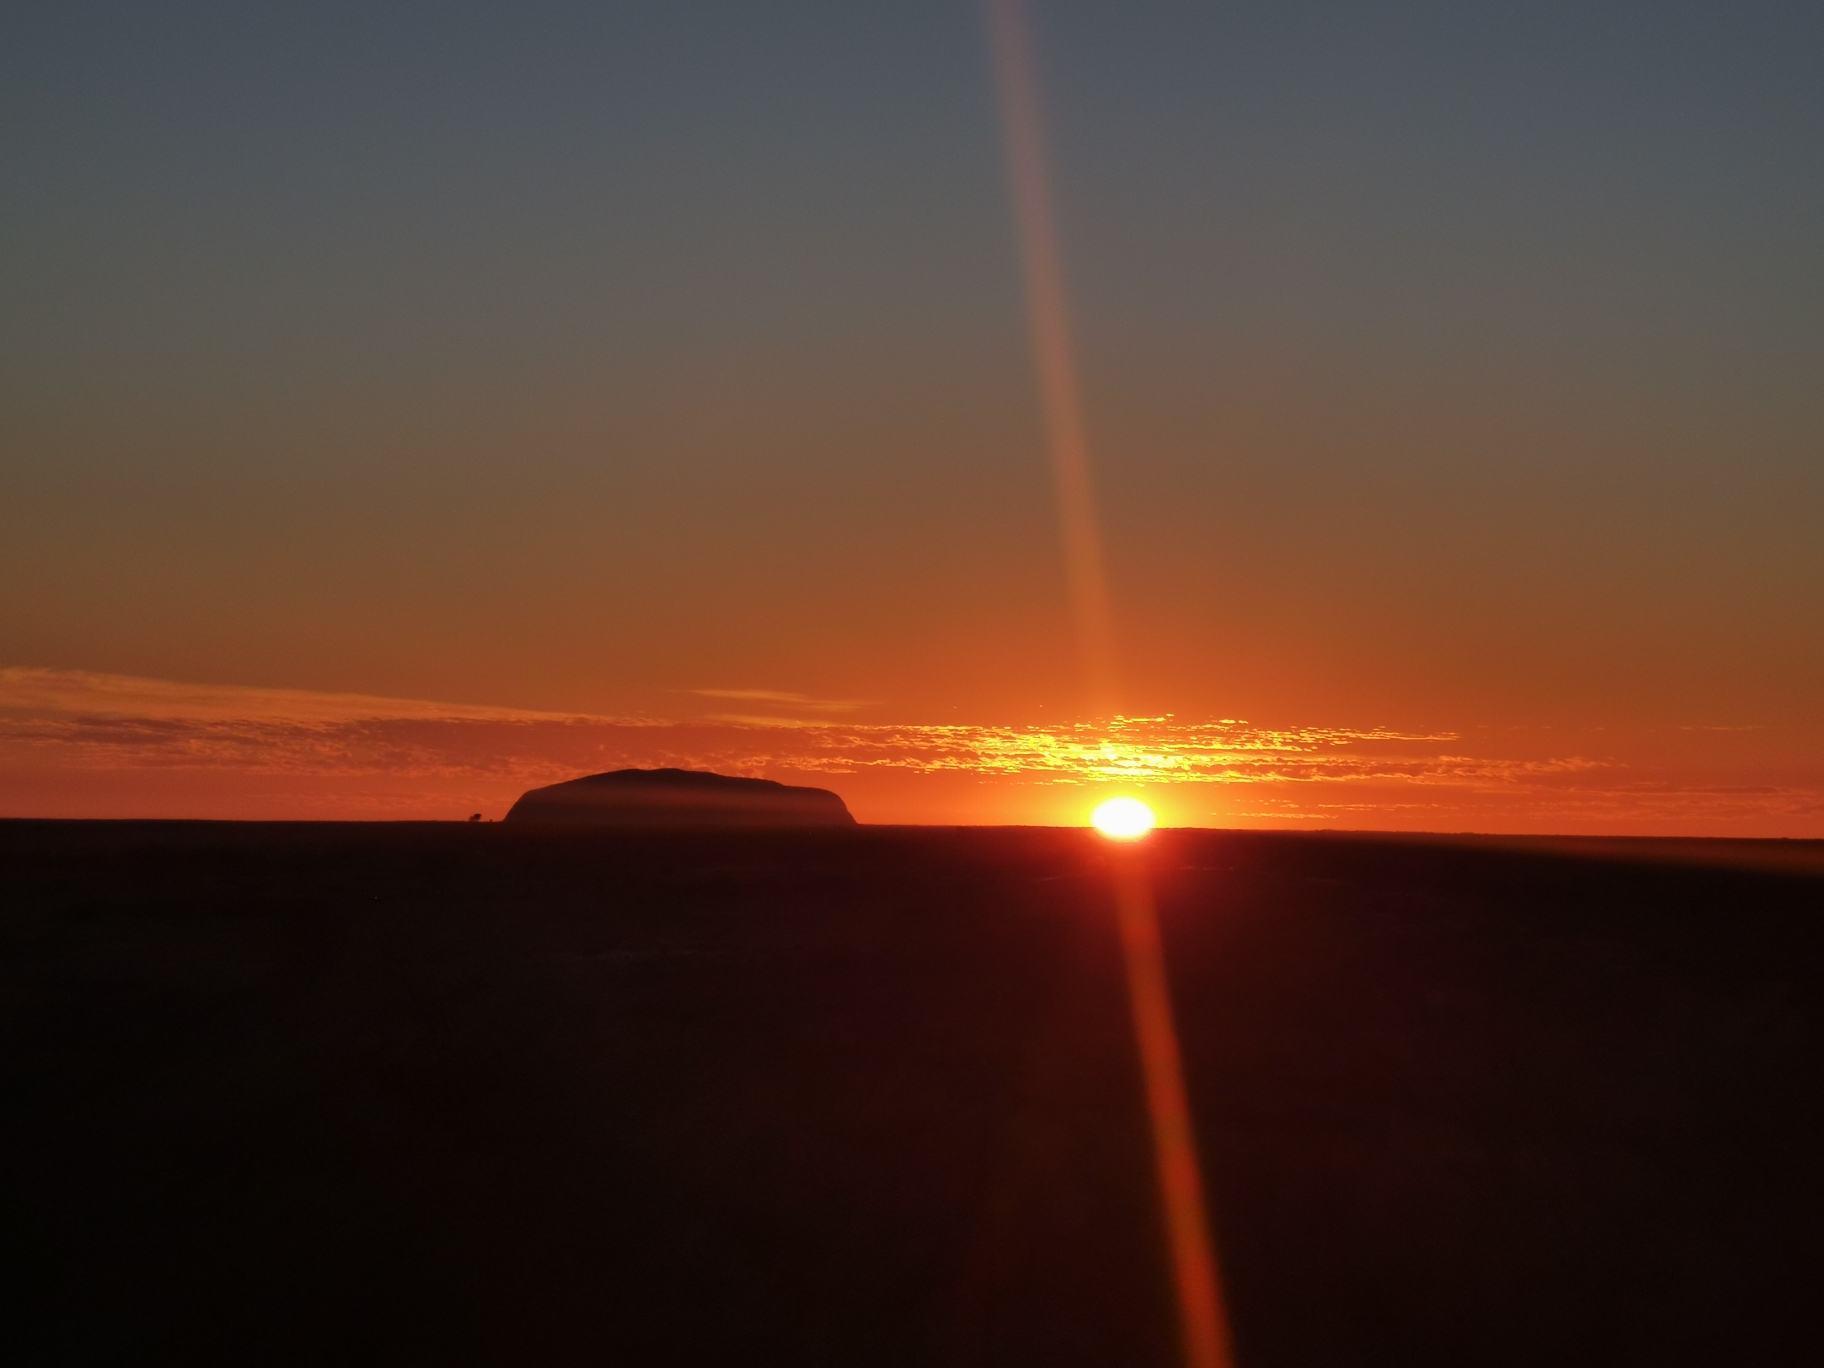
<point>1124,819</point>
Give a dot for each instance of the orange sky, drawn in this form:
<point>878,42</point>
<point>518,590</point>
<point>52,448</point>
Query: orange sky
<point>1447,382</point>
<point>85,745</point>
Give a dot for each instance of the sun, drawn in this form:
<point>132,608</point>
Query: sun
<point>1123,819</point>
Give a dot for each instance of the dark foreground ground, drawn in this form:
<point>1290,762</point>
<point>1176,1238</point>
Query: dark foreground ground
<point>475,1094</point>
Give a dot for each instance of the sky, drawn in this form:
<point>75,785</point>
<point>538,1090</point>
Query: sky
<point>458,397</point>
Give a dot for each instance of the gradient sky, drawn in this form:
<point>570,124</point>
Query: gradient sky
<point>1449,371</point>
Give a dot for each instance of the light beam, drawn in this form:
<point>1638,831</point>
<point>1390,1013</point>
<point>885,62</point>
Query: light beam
<point>1197,1279</point>
<point>1049,321</point>
<point>1203,1321</point>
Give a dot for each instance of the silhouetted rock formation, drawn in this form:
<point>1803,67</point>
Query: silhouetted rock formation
<point>680,798</point>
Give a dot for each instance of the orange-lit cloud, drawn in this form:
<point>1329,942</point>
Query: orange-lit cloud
<point>75,743</point>
<point>794,702</point>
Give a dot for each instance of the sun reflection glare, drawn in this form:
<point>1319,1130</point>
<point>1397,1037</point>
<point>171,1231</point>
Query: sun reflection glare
<point>1123,819</point>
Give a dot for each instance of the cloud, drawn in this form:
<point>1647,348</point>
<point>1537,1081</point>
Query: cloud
<point>113,720</point>
<point>796,701</point>
<point>27,691</point>
<point>137,735</point>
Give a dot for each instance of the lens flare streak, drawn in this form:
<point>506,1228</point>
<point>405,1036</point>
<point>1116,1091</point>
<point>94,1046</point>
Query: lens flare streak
<point>1205,1330</point>
<point>1050,325</point>
<point>1198,1278</point>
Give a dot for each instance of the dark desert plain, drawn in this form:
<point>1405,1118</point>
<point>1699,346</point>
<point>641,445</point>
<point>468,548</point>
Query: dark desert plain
<point>485,1093</point>
<point>719,683</point>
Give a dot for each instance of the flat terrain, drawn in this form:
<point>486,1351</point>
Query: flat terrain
<point>321,1093</point>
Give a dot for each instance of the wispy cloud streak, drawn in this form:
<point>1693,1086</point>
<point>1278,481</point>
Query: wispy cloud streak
<point>110,719</point>
<point>68,724</point>
<point>794,702</point>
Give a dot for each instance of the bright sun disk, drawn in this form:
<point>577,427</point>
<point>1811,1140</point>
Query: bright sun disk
<point>1124,819</point>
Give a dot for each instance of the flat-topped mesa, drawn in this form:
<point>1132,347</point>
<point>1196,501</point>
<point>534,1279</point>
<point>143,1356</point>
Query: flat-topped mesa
<point>676,798</point>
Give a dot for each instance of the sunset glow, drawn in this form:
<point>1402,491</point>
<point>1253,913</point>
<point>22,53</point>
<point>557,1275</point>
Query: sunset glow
<point>84,744</point>
<point>1202,1316</point>
<point>987,678</point>
<point>1123,819</point>
<point>825,396</point>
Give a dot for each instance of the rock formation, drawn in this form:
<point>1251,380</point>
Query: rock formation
<point>680,799</point>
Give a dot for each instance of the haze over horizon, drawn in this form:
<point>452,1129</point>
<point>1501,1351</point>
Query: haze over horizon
<point>648,383</point>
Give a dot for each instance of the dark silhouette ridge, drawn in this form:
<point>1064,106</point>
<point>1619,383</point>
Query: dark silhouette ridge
<point>674,798</point>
